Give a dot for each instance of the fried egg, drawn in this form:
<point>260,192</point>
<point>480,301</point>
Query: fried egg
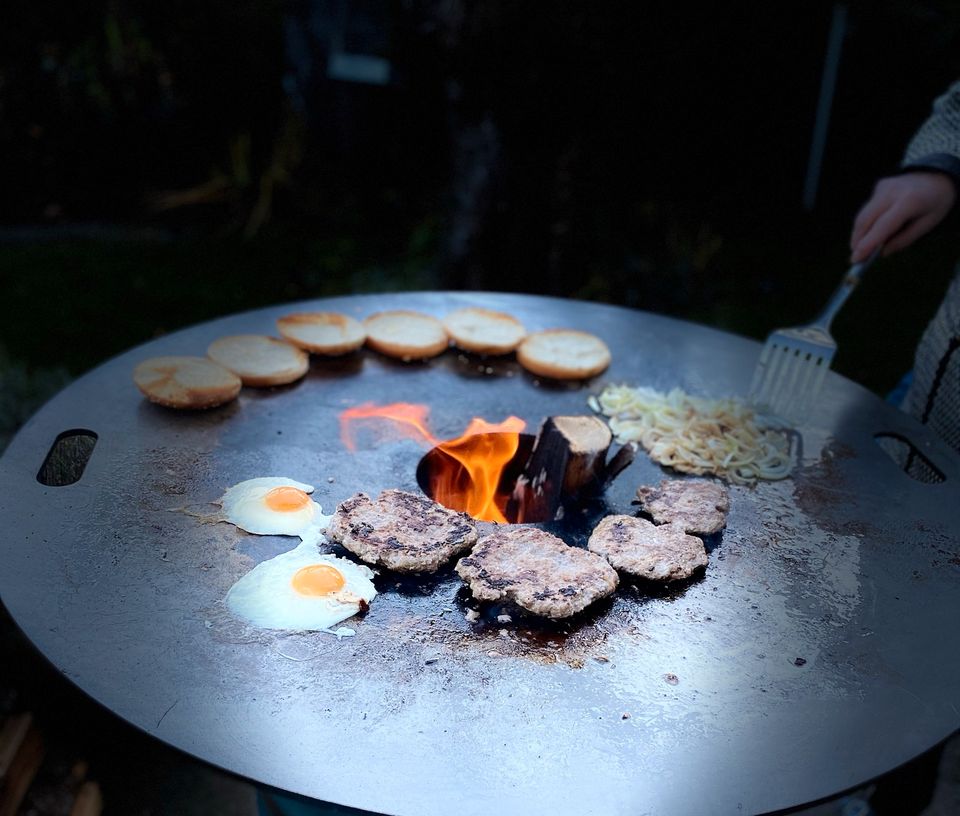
<point>271,505</point>
<point>301,590</point>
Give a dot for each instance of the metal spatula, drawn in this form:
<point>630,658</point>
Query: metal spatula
<point>794,362</point>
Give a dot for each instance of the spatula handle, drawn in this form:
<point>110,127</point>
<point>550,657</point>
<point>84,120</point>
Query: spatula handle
<point>843,291</point>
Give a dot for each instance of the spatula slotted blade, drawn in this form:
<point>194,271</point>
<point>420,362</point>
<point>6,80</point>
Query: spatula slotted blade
<point>794,362</point>
<point>791,371</point>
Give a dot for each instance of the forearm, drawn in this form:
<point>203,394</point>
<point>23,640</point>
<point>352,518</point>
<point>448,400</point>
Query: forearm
<point>906,206</point>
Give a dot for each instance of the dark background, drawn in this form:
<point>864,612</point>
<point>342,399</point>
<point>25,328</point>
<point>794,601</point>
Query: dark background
<point>165,163</point>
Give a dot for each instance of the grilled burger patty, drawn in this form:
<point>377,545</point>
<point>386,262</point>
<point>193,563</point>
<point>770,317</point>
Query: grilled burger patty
<point>698,506</point>
<point>635,545</point>
<point>401,531</point>
<point>536,571</point>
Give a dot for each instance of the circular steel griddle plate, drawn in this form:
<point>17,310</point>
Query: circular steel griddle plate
<point>687,701</point>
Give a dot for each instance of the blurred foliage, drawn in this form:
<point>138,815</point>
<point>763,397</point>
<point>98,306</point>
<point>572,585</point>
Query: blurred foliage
<point>75,303</point>
<point>102,101</point>
<point>248,198</point>
<point>23,389</point>
<point>121,108</point>
<point>651,156</point>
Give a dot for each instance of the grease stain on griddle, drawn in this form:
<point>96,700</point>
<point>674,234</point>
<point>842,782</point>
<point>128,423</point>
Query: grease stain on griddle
<point>272,392</point>
<point>173,469</point>
<point>466,629</point>
<point>946,547</point>
<point>415,585</point>
<point>478,366</point>
<point>822,491</point>
<point>549,384</point>
<point>544,642</point>
<point>335,368</point>
<point>200,418</point>
<point>640,590</point>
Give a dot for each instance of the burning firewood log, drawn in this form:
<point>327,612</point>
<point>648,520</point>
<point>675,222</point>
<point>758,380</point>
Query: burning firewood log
<point>568,463</point>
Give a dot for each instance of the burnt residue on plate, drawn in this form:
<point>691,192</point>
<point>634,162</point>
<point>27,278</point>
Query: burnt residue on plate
<point>945,547</point>
<point>471,366</point>
<point>550,384</point>
<point>273,391</point>
<point>415,585</point>
<point>172,470</point>
<point>824,492</point>
<point>471,629</point>
<point>640,590</point>
<point>335,368</point>
<point>200,418</point>
<point>578,519</point>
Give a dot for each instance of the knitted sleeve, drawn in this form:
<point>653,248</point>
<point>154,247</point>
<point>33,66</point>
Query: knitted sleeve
<point>936,145</point>
<point>934,395</point>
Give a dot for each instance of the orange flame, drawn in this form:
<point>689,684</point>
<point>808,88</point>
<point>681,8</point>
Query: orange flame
<point>475,459</point>
<point>409,419</point>
<point>478,458</point>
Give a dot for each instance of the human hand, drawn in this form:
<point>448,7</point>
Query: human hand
<point>901,209</point>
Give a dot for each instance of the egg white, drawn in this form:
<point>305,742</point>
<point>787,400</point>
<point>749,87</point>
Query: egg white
<point>244,506</point>
<point>265,596</point>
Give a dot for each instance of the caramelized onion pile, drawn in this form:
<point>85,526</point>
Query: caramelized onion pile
<point>722,437</point>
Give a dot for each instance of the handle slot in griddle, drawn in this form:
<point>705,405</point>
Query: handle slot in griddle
<point>67,458</point>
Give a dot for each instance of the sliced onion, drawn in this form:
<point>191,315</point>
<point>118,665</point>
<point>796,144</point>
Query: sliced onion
<point>697,435</point>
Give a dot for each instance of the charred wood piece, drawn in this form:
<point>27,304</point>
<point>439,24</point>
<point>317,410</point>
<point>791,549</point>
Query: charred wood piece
<point>568,463</point>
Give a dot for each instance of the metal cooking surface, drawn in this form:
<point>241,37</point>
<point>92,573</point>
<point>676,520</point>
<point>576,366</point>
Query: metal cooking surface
<point>812,655</point>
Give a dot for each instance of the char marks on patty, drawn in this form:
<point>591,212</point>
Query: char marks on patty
<point>401,531</point>
<point>637,546</point>
<point>700,507</point>
<point>537,571</point>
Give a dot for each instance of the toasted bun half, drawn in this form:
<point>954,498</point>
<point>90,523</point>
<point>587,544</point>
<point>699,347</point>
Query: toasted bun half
<point>563,354</point>
<point>327,333</point>
<point>258,360</point>
<point>186,382</point>
<point>483,331</point>
<point>406,335</point>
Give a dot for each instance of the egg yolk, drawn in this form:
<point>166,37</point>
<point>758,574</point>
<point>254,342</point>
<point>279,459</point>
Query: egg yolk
<point>317,579</point>
<point>286,499</point>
